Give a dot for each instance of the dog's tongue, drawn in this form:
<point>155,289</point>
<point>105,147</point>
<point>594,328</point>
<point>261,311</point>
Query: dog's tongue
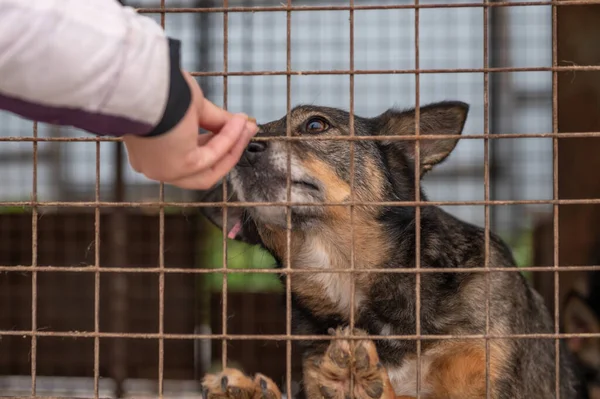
<point>234,230</point>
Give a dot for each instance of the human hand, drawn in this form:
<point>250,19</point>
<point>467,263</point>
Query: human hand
<point>186,159</point>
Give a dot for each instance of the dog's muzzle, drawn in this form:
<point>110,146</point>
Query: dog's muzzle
<point>253,152</point>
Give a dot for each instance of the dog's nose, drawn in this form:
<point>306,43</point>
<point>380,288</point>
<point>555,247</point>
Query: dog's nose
<point>253,152</point>
<point>256,147</point>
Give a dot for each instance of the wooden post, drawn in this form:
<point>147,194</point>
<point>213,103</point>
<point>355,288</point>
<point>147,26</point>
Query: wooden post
<point>578,30</point>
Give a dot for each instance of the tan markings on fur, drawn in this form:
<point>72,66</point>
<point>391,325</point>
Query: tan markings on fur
<point>373,192</point>
<point>452,370</point>
<point>460,370</point>
<point>336,189</point>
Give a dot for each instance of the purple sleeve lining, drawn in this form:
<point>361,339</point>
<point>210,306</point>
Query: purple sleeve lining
<point>97,123</point>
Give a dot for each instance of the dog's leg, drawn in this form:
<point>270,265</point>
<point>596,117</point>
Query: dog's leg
<point>233,384</point>
<point>328,376</point>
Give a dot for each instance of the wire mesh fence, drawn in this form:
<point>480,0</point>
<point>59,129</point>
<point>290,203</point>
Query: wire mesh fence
<point>115,286</point>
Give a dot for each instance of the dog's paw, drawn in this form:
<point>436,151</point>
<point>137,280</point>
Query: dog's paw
<point>233,384</point>
<point>330,375</point>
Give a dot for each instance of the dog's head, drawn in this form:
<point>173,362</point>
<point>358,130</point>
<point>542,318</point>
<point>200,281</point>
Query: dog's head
<point>320,169</point>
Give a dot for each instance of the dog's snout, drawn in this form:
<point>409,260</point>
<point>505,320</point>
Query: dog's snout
<point>253,152</point>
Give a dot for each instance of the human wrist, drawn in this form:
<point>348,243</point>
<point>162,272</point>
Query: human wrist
<point>179,95</point>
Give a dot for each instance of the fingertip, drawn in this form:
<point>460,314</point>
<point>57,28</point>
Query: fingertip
<point>251,128</point>
<point>212,117</point>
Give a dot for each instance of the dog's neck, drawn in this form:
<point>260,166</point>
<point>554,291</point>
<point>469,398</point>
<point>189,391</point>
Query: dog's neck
<point>329,247</point>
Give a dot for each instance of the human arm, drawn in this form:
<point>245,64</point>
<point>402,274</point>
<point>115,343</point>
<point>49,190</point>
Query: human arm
<point>102,67</point>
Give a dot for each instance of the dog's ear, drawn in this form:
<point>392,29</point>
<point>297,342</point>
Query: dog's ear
<point>443,118</point>
<point>239,226</point>
<point>580,318</point>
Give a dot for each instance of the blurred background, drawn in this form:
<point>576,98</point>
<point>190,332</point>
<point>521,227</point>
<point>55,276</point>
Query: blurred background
<point>62,235</point>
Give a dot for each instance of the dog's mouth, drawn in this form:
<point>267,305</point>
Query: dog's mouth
<point>235,230</point>
<point>307,186</point>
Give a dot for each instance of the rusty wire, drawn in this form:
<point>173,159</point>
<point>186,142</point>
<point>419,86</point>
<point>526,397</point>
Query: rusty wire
<point>153,204</point>
<point>161,266</point>
<point>288,210</point>
<point>555,196</point>
<point>486,188</point>
<point>352,183</point>
<point>417,177</point>
<point>340,138</point>
<point>286,337</point>
<point>416,5</point>
<point>34,244</point>
<point>172,270</point>
<point>97,275</point>
<point>224,317</point>
<point>226,337</point>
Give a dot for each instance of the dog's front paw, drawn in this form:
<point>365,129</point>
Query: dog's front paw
<point>329,376</point>
<point>233,384</point>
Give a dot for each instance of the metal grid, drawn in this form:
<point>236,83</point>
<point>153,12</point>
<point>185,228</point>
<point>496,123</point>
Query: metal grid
<point>227,10</point>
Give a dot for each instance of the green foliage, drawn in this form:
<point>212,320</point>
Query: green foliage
<point>239,256</point>
<point>522,247</point>
<point>5,210</point>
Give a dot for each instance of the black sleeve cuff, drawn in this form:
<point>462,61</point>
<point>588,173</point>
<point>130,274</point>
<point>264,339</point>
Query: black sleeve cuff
<point>180,95</point>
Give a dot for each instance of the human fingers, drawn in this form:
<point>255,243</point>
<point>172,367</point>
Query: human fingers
<point>133,159</point>
<point>212,117</point>
<point>209,177</point>
<point>204,138</point>
<point>216,147</point>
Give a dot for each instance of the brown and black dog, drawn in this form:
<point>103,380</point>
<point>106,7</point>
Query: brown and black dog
<point>451,303</point>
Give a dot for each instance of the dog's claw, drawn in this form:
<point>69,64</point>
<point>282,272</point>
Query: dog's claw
<point>327,392</point>
<point>375,389</point>
<point>263,385</point>
<point>204,391</point>
<point>340,357</point>
<point>224,383</point>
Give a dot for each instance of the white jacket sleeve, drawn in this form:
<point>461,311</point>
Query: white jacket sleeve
<point>92,64</point>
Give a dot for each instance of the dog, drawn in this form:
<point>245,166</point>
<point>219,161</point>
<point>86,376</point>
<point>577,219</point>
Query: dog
<point>320,239</point>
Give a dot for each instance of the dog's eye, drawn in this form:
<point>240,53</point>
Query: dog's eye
<point>316,125</point>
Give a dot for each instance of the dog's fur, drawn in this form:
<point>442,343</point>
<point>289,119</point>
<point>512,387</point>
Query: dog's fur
<point>385,238</point>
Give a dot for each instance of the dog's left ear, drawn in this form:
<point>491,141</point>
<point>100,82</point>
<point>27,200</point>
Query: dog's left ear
<point>443,118</point>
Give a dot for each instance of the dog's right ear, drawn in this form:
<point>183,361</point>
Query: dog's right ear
<point>239,226</point>
<point>580,318</point>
